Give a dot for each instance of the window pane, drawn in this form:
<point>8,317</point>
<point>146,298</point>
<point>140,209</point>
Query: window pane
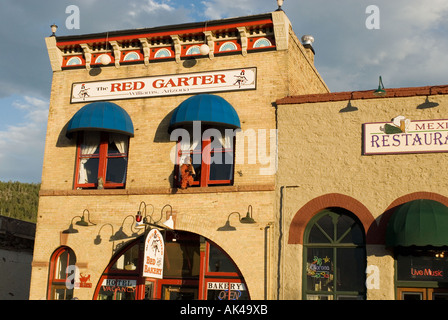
<point>116,170</point>
<point>354,236</point>
<point>61,293</point>
<point>316,236</point>
<point>219,290</point>
<point>128,260</point>
<point>351,266</point>
<point>319,269</point>
<point>88,171</point>
<point>117,289</point>
<point>219,262</point>
<point>182,259</point>
<point>221,166</point>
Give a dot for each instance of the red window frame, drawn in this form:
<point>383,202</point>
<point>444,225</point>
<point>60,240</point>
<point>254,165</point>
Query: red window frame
<point>54,281</point>
<point>103,157</point>
<point>206,154</point>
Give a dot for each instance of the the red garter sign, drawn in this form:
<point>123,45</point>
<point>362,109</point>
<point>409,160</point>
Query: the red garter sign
<point>165,85</point>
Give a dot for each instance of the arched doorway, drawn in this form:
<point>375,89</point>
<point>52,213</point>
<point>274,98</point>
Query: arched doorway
<point>194,268</point>
<point>334,257</point>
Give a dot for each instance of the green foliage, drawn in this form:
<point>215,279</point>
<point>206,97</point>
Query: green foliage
<point>19,200</point>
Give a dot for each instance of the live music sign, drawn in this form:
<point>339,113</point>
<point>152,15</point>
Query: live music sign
<point>156,86</point>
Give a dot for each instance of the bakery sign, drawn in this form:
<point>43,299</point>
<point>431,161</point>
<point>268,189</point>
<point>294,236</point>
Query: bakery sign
<point>403,135</point>
<point>154,254</point>
<point>156,86</point>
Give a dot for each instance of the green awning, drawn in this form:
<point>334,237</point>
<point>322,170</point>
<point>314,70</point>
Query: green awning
<point>420,222</point>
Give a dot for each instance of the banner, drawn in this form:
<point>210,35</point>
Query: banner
<point>154,254</point>
<point>156,86</point>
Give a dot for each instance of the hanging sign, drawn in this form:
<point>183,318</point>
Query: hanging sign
<point>154,253</point>
<point>166,85</point>
<point>405,136</point>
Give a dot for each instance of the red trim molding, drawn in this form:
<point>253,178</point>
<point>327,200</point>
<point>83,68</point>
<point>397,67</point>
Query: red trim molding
<point>375,232</point>
<point>366,94</point>
<point>303,216</point>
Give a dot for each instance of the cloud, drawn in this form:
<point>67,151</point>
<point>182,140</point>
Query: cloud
<point>22,144</point>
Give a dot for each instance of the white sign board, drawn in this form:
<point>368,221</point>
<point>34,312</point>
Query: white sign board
<point>405,136</point>
<point>154,254</point>
<point>156,86</point>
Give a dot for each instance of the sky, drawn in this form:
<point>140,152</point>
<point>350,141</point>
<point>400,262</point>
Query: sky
<point>356,41</point>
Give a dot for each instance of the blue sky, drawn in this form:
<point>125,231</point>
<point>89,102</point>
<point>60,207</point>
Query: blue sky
<point>409,49</point>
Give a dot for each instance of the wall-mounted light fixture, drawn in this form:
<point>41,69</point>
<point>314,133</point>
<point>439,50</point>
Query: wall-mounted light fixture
<point>142,220</point>
<point>70,228</point>
<point>248,219</point>
<point>82,222</point>
<point>380,92</point>
<point>121,235</point>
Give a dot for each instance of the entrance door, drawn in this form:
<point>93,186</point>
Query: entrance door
<point>422,294</point>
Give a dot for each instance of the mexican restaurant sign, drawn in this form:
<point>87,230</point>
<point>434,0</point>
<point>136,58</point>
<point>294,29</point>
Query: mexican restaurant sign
<point>156,86</point>
<point>405,136</point>
<point>154,253</point>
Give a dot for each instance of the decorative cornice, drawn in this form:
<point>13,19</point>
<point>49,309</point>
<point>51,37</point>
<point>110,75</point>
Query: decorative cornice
<point>175,38</point>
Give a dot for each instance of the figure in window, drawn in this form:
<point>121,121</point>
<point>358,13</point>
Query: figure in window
<point>187,173</point>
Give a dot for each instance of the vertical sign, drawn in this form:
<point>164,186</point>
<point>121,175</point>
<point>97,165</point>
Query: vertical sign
<point>154,253</point>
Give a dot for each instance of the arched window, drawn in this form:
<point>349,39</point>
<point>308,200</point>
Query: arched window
<point>193,50</point>
<point>262,42</point>
<point>58,289</point>
<point>131,56</point>
<point>74,61</point>
<point>334,257</point>
<point>228,46</point>
<point>162,53</point>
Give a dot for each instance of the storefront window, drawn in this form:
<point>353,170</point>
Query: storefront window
<point>335,257</point>
<point>184,254</point>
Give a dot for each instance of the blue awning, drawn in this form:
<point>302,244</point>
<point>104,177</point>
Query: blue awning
<point>101,116</point>
<point>207,108</point>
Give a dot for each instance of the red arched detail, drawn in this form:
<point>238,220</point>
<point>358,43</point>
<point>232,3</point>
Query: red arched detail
<point>303,216</point>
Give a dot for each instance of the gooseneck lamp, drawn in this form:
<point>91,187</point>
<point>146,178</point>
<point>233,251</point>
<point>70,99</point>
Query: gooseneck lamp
<point>380,92</point>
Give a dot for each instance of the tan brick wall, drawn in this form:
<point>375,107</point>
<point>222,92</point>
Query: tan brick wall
<point>320,152</point>
<point>149,170</point>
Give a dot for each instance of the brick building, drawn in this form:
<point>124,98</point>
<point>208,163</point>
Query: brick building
<point>297,193</point>
<point>121,103</point>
